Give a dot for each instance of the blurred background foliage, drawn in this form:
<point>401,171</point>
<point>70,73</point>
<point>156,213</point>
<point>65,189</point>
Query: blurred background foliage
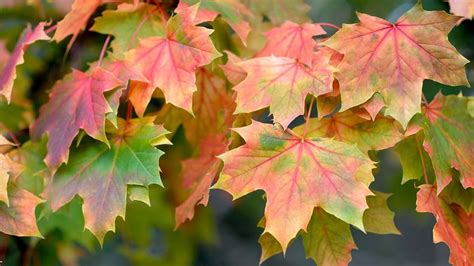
<point>225,232</point>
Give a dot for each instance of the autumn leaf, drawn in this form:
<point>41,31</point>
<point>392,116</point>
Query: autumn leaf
<point>281,83</point>
<point>269,246</point>
<point>5,169</point>
<point>414,159</point>
<point>372,107</point>
<point>77,102</point>
<point>394,59</point>
<point>454,193</point>
<point>8,73</point>
<point>378,218</point>
<point>213,107</point>
<point>449,129</point>
<point>233,72</point>
<point>4,54</point>
<point>4,176</point>
<point>4,141</point>
<point>349,127</point>
<point>198,175</point>
<point>328,241</point>
<point>330,102</point>
<point>139,90</point>
<point>293,41</point>
<point>29,171</point>
<point>17,115</point>
<point>209,129</point>
<point>100,175</point>
<point>462,8</point>
<point>76,20</point>
<point>232,12</point>
<point>128,24</point>
<point>454,226</point>
<point>19,217</point>
<point>170,62</point>
<point>297,174</point>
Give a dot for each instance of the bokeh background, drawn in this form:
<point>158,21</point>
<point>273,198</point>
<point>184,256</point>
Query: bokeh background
<point>224,233</point>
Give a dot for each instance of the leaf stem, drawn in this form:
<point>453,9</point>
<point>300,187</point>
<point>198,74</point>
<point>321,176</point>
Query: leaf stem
<point>423,98</point>
<point>330,25</point>
<point>51,29</point>
<point>104,48</point>
<point>308,115</point>
<point>425,173</point>
<point>293,133</point>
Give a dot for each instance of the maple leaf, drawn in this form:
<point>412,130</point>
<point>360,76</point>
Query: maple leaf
<point>293,41</point>
<point>349,127</point>
<point>454,225</point>
<point>281,83</point>
<point>100,175</point>
<point>5,169</point>
<point>330,102</point>
<point>231,11</point>
<point>4,54</point>
<point>269,246</point>
<point>394,59</point>
<point>213,107</point>
<point>233,72</point>
<point>140,94</point>
<point>8,74</point>
<point>76,20</point>
<point>413,158</point>
<point>139,89</point>
<point>449,129</point>
<point>4,176</point>
<point>19,217</point>
<point>198,174</point>
<point>128,24</point>
<point>297,174</point>
<point>29,171</point>
<point>378,218</point>
<point>372,107</point>
<point>4,141</point>
<point>77,102</point>
<point>170,62</point>
<point>328,241</point>
<point>463,8</point>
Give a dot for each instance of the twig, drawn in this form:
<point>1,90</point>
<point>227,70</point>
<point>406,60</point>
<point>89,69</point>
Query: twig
<point>425,173</point>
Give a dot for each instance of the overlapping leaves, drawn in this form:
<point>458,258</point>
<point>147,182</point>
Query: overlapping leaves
<point>367,81</point>
<point>297,175</point>
<point>394,59</point>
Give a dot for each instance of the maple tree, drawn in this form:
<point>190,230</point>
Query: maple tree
<point>193,96</point>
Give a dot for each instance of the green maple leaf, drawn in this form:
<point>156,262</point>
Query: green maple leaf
<point>449,129</point>
<point>100,175</point>
<point>327,240</point>
<point>128,24</point>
